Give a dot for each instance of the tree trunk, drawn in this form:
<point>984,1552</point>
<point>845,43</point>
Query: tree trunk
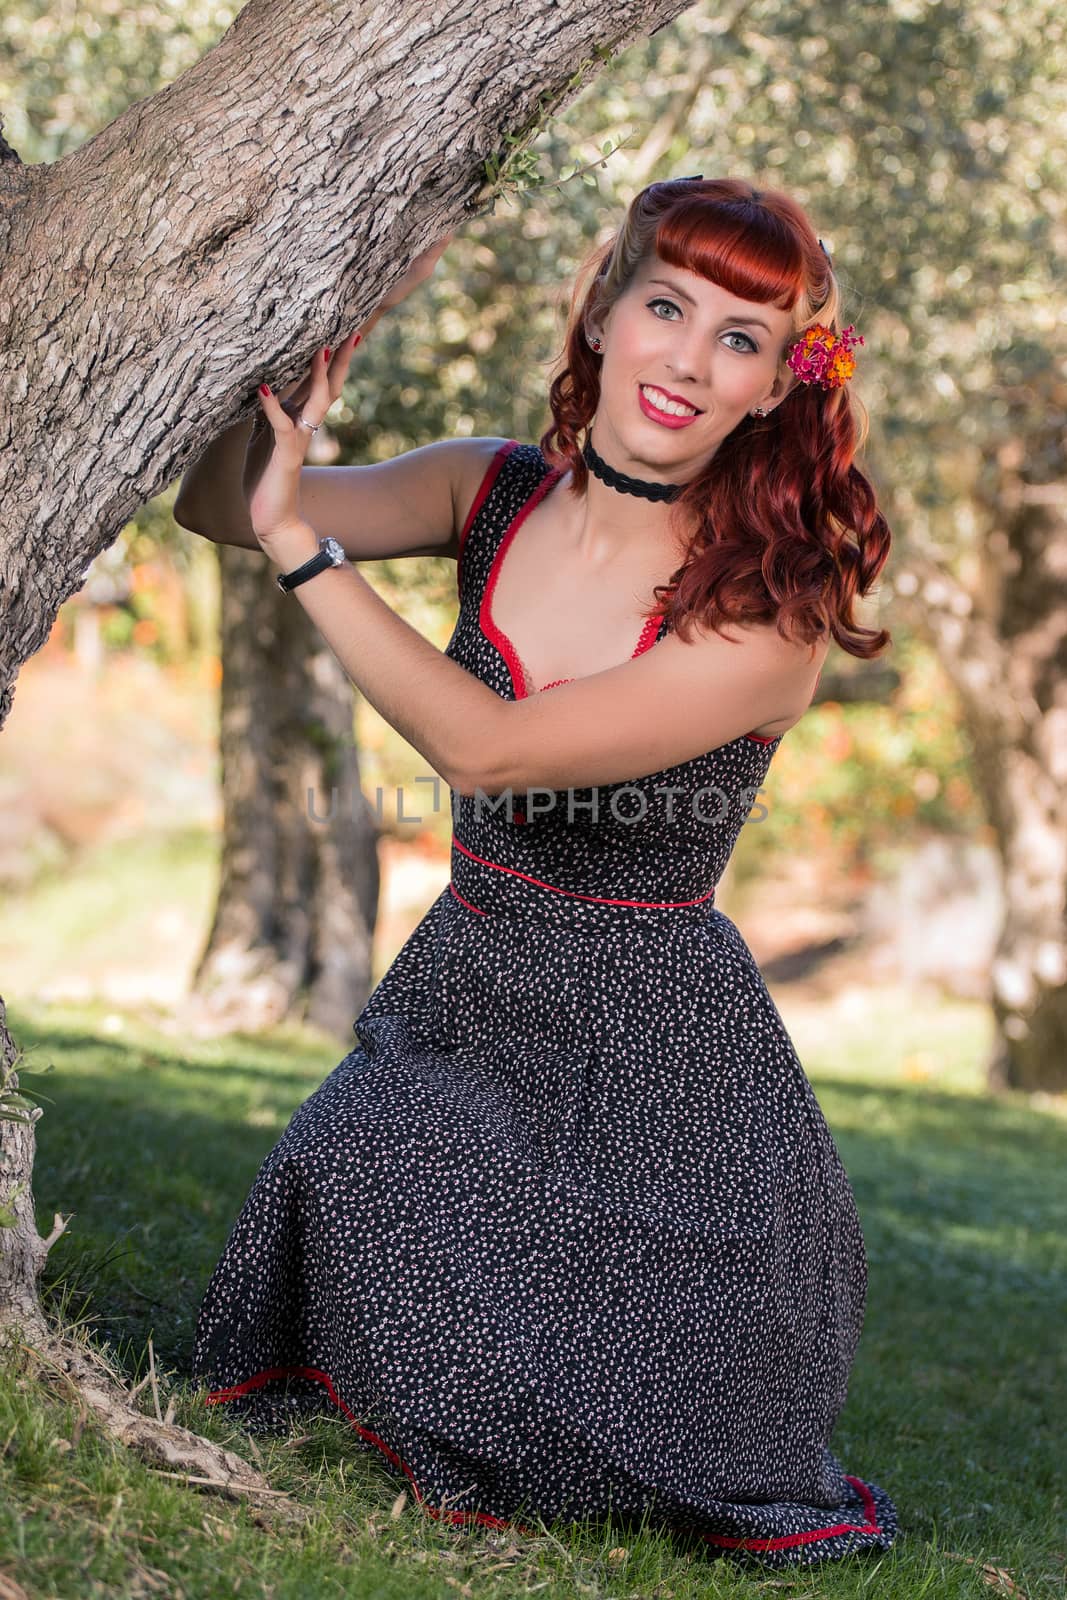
<point>298,892</point>
<point>1029,976</point>
<point>1004,645</point>
<point>216,234</point>
<point>22,1250</point>
<point>221,231</point>
<point>1022,768</point>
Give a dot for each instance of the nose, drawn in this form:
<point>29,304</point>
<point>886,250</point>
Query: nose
<point>688,363</point>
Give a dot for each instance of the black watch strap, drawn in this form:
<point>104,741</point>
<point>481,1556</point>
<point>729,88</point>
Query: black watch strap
<point>329,554</point>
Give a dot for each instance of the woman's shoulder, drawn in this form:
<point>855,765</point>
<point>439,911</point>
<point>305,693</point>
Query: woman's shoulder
<point>484,463</point>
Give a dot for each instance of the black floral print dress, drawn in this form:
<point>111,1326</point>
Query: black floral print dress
<point>566,1235</point>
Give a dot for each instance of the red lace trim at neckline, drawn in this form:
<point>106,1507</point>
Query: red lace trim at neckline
<point>522,682</point>
<point>649,631</point>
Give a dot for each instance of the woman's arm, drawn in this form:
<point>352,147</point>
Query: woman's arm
<point>211,500</point>
<point>675,701</point>
<point>450,716</point>
<point>441,709</point>
<point>672,703</point>
<point>413,505</point>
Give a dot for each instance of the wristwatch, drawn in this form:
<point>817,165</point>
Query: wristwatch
<point>329,554</point>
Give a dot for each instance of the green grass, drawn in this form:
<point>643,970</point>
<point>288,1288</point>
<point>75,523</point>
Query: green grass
<point>956,1404</point>
<point>131,905</point>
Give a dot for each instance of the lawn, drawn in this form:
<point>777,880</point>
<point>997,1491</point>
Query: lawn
<point>956,1404</point>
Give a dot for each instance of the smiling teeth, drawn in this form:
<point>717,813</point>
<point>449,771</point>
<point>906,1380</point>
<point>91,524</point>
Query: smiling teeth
<point>661,403</point>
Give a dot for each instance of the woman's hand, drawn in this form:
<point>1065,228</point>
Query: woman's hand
<point>277,445</point>
<point>276,451</point>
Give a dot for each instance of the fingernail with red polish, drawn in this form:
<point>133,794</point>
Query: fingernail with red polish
<point>264,388</point>
<point>325,355</point>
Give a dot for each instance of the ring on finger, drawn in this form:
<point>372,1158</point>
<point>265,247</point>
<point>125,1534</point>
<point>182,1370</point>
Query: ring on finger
<point>302,422</point>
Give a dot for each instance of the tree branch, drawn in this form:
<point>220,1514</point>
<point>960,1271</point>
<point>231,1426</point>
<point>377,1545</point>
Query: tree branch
<point>218,232</point>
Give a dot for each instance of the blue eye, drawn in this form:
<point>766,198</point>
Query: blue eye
<point>751,343</point>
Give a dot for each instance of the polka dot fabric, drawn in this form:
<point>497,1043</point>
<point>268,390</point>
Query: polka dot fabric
<point>566,1234</point>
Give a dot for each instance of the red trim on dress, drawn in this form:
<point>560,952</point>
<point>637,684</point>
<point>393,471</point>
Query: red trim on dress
<point>646,640</point>
<point>603,900</point>
<point>485,1518</point>
<point>218,1396</point>
<point>467,903</point>
<point>520,678</point>
<point>479,500</point>
<point>496,637</point>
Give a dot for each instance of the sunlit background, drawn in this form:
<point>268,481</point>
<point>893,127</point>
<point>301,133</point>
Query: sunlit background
<point>926,143</point>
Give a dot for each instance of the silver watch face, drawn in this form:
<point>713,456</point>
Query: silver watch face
<point>335,551</point>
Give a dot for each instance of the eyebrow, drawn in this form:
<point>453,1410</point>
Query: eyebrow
<point>667,284</point>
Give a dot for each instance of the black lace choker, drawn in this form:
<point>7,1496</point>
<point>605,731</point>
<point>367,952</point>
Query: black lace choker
<point>624,483</point>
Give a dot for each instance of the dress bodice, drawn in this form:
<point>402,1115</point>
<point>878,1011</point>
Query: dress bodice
<point>656,843</point>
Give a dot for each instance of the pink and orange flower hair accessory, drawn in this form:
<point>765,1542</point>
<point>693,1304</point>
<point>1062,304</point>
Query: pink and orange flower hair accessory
<point>823,357</point>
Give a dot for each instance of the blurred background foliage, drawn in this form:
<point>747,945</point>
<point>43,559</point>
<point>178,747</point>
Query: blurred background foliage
<point>925,142</point>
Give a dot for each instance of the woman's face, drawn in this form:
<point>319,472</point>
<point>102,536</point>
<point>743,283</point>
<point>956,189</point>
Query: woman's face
<point>675,332</point>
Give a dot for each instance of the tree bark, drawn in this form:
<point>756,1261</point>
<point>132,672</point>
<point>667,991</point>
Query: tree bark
<point>298,893</point>
<point>23,1252</point>
<point>70,1361</point>
<point>221,231</point>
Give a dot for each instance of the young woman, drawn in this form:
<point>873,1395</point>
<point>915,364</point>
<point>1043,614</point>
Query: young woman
<point>566,1234</point>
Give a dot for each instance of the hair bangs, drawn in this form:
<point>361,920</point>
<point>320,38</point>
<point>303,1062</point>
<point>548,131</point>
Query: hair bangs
<point>738,245</point>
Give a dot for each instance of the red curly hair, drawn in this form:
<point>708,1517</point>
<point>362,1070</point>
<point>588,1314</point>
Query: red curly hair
<point>781,525</point>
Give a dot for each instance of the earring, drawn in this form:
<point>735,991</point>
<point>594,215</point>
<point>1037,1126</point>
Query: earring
<point>597,345</point>
<point>759,412</point>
